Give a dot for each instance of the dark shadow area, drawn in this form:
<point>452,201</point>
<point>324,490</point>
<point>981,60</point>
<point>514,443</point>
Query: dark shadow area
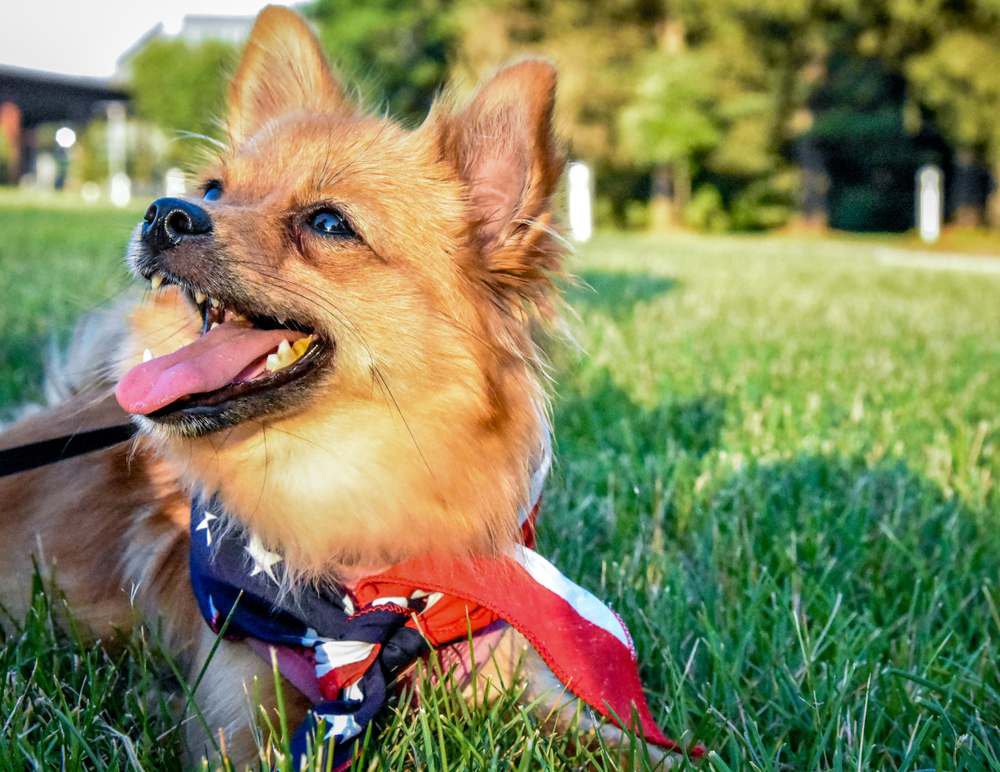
<point>828,564</point>
<point>869,152</point>
<point>616,292</point>
<point>605,418</point>
<point>873,532</point>
<point>820,580</point>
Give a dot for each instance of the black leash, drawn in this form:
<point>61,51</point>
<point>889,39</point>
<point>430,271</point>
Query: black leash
<point>36,454</point>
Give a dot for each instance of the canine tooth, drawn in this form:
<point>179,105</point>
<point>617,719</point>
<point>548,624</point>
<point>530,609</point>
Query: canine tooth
<point>273,363</point>
<point>199,297</point>
<point>156,280</point>
<point>284,347</point>
<point>300,346</point>
<point>147,355</point>
<point>214,302</point>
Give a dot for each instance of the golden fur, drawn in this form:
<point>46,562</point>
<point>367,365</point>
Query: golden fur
<point>421,432</point>
<point>433,405</point>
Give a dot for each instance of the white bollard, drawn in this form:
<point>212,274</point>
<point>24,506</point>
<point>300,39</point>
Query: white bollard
<point>173,183</point>
<point>45,171</point>
<point>581,214</point>
<point>117,137</point>
<point>120,189</point>
<point>929,203</point>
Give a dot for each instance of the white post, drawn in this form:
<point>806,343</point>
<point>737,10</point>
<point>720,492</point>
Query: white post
<point>45,171</point>
<point>120,191</point>
<point>173,182</point>
<point>581,217</point>
<point>120,184</point>
<point>929,203</point>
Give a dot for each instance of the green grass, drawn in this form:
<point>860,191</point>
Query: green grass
<point>55,262</point>
<point>777,460</point>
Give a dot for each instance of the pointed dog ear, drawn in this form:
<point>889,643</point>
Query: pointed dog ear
<point>503,148</point>
<point>282,70</point>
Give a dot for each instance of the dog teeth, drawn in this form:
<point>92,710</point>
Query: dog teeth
<point>214,302</point>
<point>156,280</point>
<point>279,360</point>
<point>300,346</point>
<point>287,354</point>
<point>147,355</point>
<point>213,325</point>
<point>199,297</point>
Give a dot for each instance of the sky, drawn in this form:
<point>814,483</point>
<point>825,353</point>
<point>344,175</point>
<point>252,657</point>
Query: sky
<point>85,37</point>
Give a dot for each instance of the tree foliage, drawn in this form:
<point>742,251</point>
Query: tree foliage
<point>596,45</point>
<point>742,95</point>
<point>959,76</point>
<point>181,86</point>
<point>396,51</point>
<point>673,114</point>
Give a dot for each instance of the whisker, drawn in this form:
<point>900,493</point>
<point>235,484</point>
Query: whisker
<point>203,137</point>
<point>108,366</point>
<point>267,467</point>
<point>381,379</point>
<point>306,440</point>
<point>321,302</point>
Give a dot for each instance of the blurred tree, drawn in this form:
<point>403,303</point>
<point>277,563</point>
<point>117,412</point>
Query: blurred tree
<point>947,52</point>
<point>597,46</point>
<point>849,84</point>
<point>396,51</point>
<point>741,106</point>
<point>92,152</point>
<point>713,104</point>
<point>670,120</point>
<point>753,100</point>
<point>959,77</point>
<point>861,130</point>
<point>181,87</point>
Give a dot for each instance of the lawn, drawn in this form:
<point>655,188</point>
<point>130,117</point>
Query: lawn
<point>777,459</point>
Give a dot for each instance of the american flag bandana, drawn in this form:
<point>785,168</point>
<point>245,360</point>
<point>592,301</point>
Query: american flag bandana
<point>343,648</point>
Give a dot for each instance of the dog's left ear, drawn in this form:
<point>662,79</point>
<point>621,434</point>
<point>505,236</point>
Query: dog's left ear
<point>503,148</point>
<point>282,70</point>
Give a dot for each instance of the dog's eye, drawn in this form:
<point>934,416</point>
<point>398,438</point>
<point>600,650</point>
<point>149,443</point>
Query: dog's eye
<point>330,222</point>
<point>213,191</point>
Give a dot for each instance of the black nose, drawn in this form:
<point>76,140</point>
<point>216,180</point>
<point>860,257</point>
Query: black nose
<point>168,221</point>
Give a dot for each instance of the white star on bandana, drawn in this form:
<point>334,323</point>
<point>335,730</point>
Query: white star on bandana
<point>263,560</point>
<point>204,526</point>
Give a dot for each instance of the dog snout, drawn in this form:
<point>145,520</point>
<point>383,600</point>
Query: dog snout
<point>168,221</point>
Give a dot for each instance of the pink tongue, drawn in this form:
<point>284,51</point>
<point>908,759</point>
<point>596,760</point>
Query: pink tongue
<point>214,360</point>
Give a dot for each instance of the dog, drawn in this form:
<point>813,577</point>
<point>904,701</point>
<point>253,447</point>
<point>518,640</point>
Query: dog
<point>339,346</point>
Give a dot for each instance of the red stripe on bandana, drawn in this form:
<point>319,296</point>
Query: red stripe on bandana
<point>584,644</point>
<point>341,677</point>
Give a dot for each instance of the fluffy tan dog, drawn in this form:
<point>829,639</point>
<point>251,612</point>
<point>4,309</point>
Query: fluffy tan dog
<point>339,342</point>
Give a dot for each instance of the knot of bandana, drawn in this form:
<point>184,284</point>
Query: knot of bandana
<point>354,650</point>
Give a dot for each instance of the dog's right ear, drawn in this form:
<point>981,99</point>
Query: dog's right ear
<point>282,70</point>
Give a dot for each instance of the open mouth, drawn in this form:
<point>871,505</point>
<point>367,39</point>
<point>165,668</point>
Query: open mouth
<point>239,355</point>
